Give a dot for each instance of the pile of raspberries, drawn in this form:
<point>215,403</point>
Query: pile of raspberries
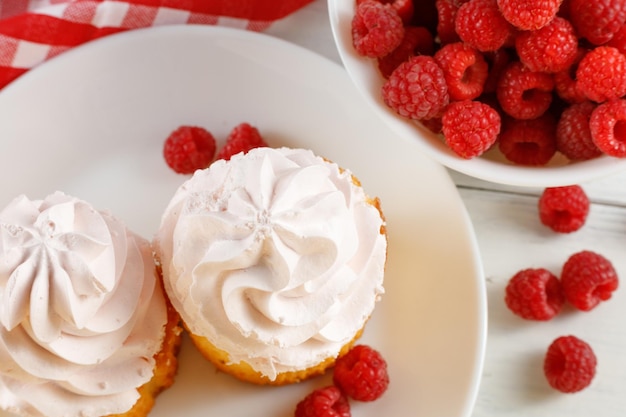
<point>532,77</point>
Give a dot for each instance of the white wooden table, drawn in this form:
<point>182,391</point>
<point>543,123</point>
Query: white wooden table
<point>511,238</point>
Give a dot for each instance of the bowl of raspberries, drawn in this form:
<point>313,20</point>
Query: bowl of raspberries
<point>517,92</point>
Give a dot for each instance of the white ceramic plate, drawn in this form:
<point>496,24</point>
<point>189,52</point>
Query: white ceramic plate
<point>492,166</point>
<point>92,122</point>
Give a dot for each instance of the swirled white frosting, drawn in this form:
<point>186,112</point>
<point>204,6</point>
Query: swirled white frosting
<point>81,313</point>
<point>275,257</point>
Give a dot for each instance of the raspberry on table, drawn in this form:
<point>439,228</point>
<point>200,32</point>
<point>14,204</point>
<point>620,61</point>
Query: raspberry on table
<point>361,374</point>
<point>534,294</point>
<point>601,74</point>
<point>241,139</point>
<point>470,127</point>
<point>529,142</point>
<point>588,278</point>
<point>377,29</point>
<point>417,40</point>
<point>564,209</point>
<point>529,14</point>
<point>524,94</point>
<point>597,20</point>
<point>189,148</point>
<point>569,364</point>
<point>324,402</point>
<point>417,89</point>
<point>573,133</point>
<point>480,24</point>
<point>552,48</point>
<point>608,127</point>
<point>464,69</point>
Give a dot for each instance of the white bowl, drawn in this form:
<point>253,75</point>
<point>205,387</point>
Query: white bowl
<point>491,166</point>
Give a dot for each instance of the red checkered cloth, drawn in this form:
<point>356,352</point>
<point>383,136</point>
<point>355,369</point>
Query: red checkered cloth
<point>33,31</point>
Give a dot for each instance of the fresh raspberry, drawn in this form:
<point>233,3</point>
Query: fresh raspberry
<point>446,16</point>
<point>588,278</point>
<point>361,373</point>
<point>417,89</point>
<point>618,40</point>
<point>597,20</point>
<point>470,127</point>
<point>324,402</point>
<point>480,23</point>
<point>464,68</point>
<point>529,14</point>
<point>549,49</point>
<point>189,148</point>
<point>569,364</point>
<point>417,41</point>
<point>241,139</point>
<point>404,8</point>
<point>529,142</point>
<point>377,29</point>
<point>497,62</point>
<point>534,294</point>
<point>601,74</point>
<point>565,83</point>
<point>563,209</point>
<point>573,133</point>
<point>524,94</point>
<point>608,127</point>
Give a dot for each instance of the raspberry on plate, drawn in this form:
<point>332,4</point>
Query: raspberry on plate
<point>573,133</point>
<point>569,364</point>
<point>564,209</point>
<point>361,374</point>
<point>417,89</point>
<point>480,24</point>
<point>601,74</point>
<point>377,29</point>
<point>552,48</point>
<point>241,139</point>
<point>470,127</point>
<point>597,20</point>
<point>529,142</point>
<point>324,402</point>
<point>606,124</point>
<point>524,94</point>
<point>464,68</point>
<point>534,294</point>
<point>529,14</point>
<point>189,148</point>
<point>588,278</point>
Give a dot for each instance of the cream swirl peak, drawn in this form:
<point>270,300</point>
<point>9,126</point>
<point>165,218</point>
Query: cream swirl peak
<point>275,257</point>
<point>81,312</point>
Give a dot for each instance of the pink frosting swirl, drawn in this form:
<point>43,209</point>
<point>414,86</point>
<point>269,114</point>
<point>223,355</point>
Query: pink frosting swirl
<point>81,312</point>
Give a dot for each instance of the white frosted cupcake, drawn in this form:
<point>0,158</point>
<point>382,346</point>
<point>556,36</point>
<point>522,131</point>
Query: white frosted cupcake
<point>85,329</point>
<point>274,260</point>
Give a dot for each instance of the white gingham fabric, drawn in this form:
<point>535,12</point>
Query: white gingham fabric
<point>33,31</point>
